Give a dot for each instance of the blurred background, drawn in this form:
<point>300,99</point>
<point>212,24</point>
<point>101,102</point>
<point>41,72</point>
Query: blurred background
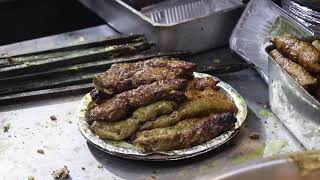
<point>24,20</point>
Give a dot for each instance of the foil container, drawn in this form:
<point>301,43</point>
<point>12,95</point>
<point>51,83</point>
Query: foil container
<point>186,26</point>
<point>126,150</point>
<point>293,105</point>
<point>253,32</point>
<point>176,11</point>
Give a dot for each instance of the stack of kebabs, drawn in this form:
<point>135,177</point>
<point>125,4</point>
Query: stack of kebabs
<point>300,59</point>
<point>158,105</point>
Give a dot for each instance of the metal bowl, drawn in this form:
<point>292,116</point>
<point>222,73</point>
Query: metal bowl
<point>126,150</point>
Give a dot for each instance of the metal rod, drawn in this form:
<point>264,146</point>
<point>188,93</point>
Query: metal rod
<point>45,94</point>
<point>89,55</point>
<point>98,66</point>
<point>109,40</point>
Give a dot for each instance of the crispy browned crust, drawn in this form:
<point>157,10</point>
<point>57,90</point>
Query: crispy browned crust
<point>203,83</point>
<point>202,88</point>
<point>99,97</point>
<point>120,130</point>
<point>303,77</point>
<point>192,109</point>
<point>122,104</point>
<point>185,134</point>
<point>125,76</point>
<point>304,53</point>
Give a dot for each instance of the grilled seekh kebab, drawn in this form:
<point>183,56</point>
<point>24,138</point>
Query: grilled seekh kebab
<point>123,129</point>
<point>303,77</point>
<point>303,53</point>
<point>196,88</point>
<point>123,104</point>
<point>120,130</point>
<point>125,76</point>
<point>192,109</point>
<point>203,99</point>
<point>202,88</point>
<point>316,92</point>
<point>185,134</point>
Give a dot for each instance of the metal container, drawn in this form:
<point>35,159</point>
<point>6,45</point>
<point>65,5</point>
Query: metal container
<point>175,11</point>
<point>253,32</point>
<point>195,34</point>
<point>293,105</point>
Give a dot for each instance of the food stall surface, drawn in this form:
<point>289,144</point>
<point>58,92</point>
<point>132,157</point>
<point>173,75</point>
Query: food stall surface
<point>39,137</point>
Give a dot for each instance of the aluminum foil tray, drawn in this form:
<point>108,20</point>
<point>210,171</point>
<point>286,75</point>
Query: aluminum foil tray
<point>176,11</point>
<point>296,108</point>
<point>293,105</point>
<point>126,150</point>
<point>253,32</point>
<point>201,32</point>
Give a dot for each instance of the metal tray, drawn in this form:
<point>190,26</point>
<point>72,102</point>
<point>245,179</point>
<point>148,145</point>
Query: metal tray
<point>126,150</point>
<point>293,105</point>
<point>293,166</point>
<point>253,32</point>
<point>193,35</point>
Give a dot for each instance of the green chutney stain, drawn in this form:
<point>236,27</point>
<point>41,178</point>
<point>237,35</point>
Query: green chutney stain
<point>265,113</point>
<point>249,156</point>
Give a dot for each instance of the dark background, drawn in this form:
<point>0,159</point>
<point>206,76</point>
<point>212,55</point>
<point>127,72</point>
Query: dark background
<point>28,19</point>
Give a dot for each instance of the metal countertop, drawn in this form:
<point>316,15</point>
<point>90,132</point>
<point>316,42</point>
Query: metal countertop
<point>63,145</point>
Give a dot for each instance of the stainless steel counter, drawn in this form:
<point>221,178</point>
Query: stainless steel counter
<point>32,129</point>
